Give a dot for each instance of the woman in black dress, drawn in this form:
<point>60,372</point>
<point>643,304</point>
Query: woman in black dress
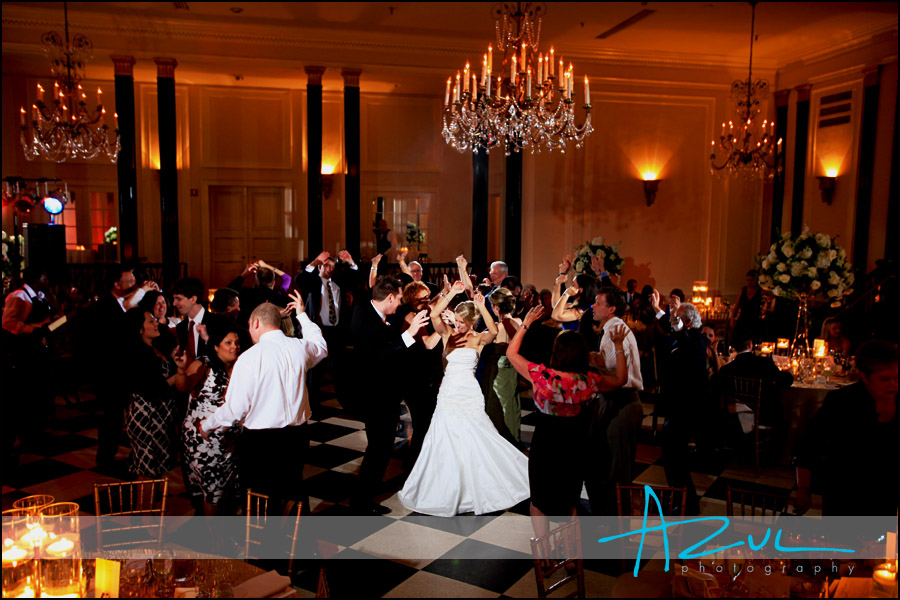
<point>150,417</point>
<point>746,319</point>
<point>157,304</point>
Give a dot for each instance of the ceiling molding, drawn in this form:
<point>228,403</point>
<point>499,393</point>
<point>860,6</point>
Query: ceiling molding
<point>872,37</point>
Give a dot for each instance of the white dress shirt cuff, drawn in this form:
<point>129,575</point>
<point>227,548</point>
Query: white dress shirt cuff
<point>408,339</point>
<point>309,268</point>
<point>660,314</point>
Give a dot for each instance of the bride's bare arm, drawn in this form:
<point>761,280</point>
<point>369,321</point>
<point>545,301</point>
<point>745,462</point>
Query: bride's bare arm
<point>488,336</point>
<point>442,305</point>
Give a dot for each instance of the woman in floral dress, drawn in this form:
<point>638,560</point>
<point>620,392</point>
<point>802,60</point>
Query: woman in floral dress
<point>210,465</point>
<point>561,392</point>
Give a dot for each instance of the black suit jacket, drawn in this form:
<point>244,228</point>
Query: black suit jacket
<point>181,331</point>
<point>310,285</point>
<point>377,348</point>
<point>251,297</point>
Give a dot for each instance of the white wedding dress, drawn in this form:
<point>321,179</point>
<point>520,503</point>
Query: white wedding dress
<point>464,465</point>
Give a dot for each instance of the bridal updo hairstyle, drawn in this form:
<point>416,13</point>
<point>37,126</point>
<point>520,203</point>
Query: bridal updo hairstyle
<point>468,312</point>
<point>570,353</point>
<point>503,300</point>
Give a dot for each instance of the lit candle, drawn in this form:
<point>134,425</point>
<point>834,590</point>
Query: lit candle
<point>571,80</point>
<point>587,91</point>
<point>466,78</point>
<point>447,93</point>
<point>456,93</point>
<point>116,117</point>
<point>474,86</point>
<point>60,548</point>
<point>55,90</point>
<point>484,70</point>
<point>528,83</point>
<point>524,62</point>
<point>784,343</point>
<point>22,116</point>
<point>512,71</point>
<point>99,97</point>
<point>767,348</point>
<point>561,70</point>
<point>490,59</point>
<point>40,92</point>
<point>819,348</point>
<point>566,84</point>
<point>551,61</point>
<point>14,554</point>
<point>540,70</point>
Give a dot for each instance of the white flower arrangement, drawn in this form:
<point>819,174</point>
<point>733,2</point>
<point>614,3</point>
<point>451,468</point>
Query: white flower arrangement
<point>806,265</point>
<point>612,260</point>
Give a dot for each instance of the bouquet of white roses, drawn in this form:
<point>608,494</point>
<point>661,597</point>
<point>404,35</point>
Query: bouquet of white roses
<point>612,261</point>
<point>111,235</point>
<point>806,265</point>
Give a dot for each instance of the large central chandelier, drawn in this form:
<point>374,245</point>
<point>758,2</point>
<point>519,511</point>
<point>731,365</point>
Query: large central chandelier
<point>528,104</point>
<point>64,127</point>
<point>747,148</point>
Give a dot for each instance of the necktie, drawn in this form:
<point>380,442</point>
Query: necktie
<point>190,351</point>
<point>332,313</point>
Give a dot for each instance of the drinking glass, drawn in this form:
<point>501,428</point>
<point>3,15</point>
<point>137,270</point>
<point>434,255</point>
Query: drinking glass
<point>20,574</point>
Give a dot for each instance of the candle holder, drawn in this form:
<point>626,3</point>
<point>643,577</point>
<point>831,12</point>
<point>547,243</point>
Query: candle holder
<point>20,569</point>
<point>60,566</point>
<point>767,348</point>
<point>34,503</point>
<point>783,347</point>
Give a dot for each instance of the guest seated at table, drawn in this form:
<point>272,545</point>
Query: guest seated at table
<point>211,468</point>
<point>714,361</point>
<point>835,342</point>
<point>150,417</point>
<point>849,450</point>
<point>748,365</point>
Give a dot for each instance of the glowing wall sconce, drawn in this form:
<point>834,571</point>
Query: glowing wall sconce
<point>651,186</point>
<point>327,179</point>
<point>827,185</point>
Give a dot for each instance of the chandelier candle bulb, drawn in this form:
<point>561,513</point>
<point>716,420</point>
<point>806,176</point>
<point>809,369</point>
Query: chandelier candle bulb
<point>528,84</point>
<point>474,86</point>
<point>561,67</point>
<point>512,71</point>
<point>587,91</point>
<point>551,61</point>
<point>490,59</point>
<point>447,93</point>
<point>540,71</point>
<point>466,79</point>
<point>22,116</point>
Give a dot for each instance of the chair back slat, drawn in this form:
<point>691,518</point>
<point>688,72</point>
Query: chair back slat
<point>127,499</point>
<point>755,504</point>
<point>557,550</point>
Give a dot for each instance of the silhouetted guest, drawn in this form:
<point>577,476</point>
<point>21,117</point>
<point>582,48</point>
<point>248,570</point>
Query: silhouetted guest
<point>849,450</point>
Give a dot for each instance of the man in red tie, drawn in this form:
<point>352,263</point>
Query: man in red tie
<point>187,297</point>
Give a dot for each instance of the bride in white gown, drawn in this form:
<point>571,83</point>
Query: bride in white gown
<point>464,465</point>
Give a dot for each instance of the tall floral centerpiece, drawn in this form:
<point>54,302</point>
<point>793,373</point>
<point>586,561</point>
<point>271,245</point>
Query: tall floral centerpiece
<point>802,268</point>
<point>597,247</point>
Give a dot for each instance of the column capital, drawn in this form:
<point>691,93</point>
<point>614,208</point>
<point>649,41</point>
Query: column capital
<point>351,77</point>
<point>781,97</point>
<point>314,75</point>
<point>870,76</point>
<point>165,67</point>
<point>803,92</point>
<point>123,65</point>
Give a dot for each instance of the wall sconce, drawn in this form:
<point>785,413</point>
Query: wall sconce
<point>651,186</point>
<point>827,184</point>
<point>327,180</point>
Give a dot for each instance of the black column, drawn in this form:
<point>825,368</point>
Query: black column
<point>893,218</point>
<point>314,225</point>
<point>125,164</point>
<point>480,168</point>
<point>866,170</point>
<point>168,166</point>
<point>800,143</point>
<point>352,154</point>
<point>513,247</point>
<point>781,118</point>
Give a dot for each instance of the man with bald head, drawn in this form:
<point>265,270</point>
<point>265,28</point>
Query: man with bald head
<point>267,396</point>
<point>417,272</point>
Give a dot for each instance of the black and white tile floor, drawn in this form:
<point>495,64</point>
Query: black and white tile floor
<point>448,551</point>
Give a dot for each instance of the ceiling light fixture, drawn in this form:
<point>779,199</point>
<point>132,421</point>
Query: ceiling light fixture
<point>745,148</point>
<point>65,128</point>
<point>529,104</point>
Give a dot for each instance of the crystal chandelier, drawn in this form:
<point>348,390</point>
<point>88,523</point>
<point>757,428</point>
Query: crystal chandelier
<point>65,127</point>
<point>748,149</point>
<point>529,104</point>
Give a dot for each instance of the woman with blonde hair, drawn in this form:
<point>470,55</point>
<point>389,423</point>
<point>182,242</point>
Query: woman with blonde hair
<point>464,465</point>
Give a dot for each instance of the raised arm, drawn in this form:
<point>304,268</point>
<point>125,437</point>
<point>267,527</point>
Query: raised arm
<point>487,336</point>
<point>373,271</point>
<point>404,268</point>
<point>316,348</point>
<point>461,264</point>
<point>512,352</point>
<point>610,382</point>
<point>442,305</point>
<point>561,312</point>
<point>188,375</point>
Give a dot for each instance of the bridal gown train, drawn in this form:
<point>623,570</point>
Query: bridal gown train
<point>464,465</point>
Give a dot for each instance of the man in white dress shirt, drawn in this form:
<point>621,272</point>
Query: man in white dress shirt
<point>267,396</point>
<point>616,428</point>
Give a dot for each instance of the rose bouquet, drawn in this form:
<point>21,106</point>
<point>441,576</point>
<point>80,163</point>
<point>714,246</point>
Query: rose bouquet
<point>806,265</point>
<point>597,247</point>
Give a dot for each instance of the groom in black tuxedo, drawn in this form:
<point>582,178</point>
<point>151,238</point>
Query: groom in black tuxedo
<point>379,348</point>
